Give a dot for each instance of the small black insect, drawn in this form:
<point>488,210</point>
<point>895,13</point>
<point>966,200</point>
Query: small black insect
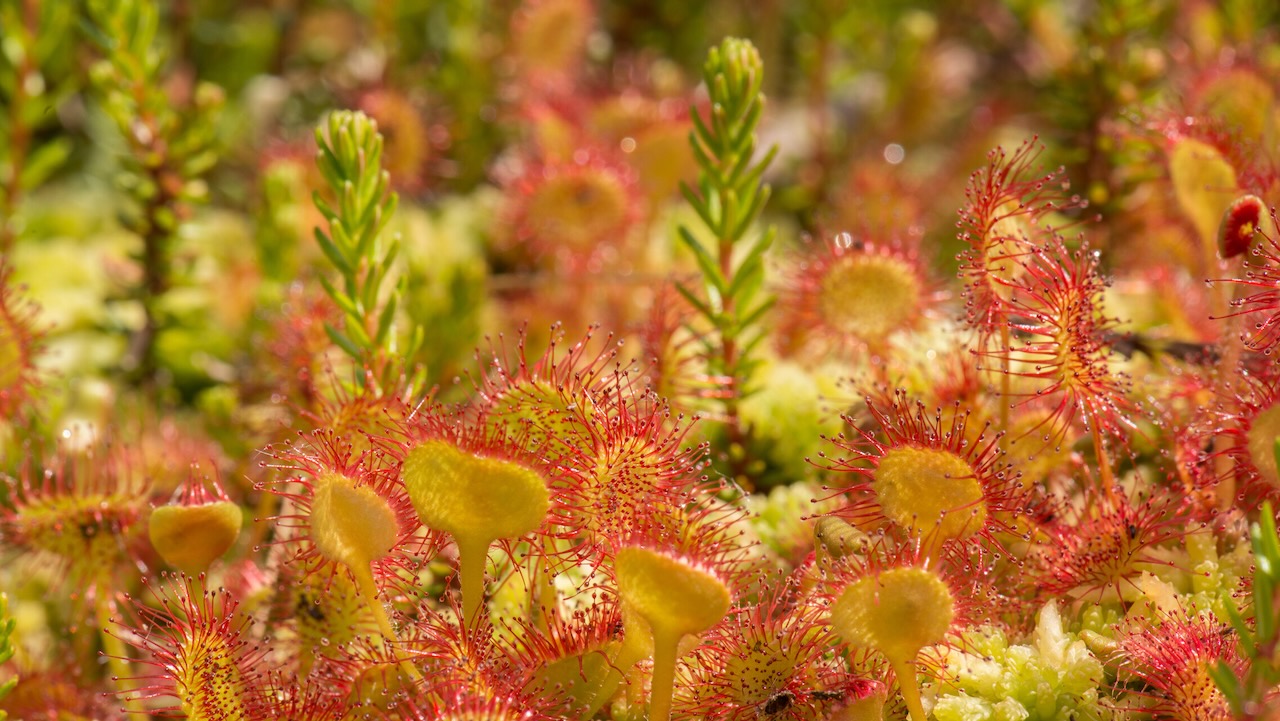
<point>305,605</point>
<point>778,703</point>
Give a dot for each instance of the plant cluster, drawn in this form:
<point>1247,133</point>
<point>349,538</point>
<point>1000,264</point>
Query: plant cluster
<point>444,361</point>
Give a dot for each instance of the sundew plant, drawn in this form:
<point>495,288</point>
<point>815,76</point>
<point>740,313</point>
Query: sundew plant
<point>445,360</point>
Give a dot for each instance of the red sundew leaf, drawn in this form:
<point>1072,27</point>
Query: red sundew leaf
<point>575,212</point>
<point>768,658</point>
<point>324,454</point>
<point>81,512</point>
<point>1240,223</point>
<point>1261,281</point>
<point>1061,340</point>
<point>197,651</point>
<point>850,293</point>
<point>1099,552</point>
<point>964,572</point>
<point>968,493</point>
<point>1172,657</point>
<point>1004,220</point>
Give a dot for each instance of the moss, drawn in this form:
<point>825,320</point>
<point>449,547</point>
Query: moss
<point>1052,676</point>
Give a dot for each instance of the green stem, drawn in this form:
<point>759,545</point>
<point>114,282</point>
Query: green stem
<point>544,597</point>
<point>665,647</point>
<point>472,556</point>
<point>156,242</point>
<point>369,592</point>
<point>906,673</point>
<point>632,650</point>
<point>634,696</point>
<point>116,651</point>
